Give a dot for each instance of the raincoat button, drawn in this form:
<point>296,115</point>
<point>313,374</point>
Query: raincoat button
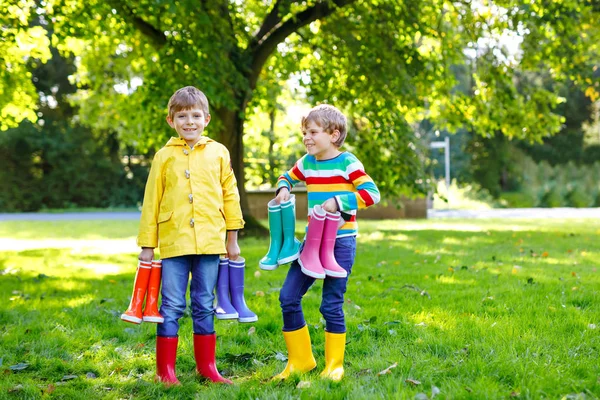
<point>191,197</point>
<point>185,152</point>
<point>187,173</point>
<point>192,222</point>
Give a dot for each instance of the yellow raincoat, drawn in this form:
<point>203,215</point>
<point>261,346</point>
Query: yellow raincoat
<point>191,199</point>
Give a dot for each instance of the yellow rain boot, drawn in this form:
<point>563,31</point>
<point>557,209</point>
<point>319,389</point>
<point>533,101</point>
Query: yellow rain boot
<point>335,344</point>
<point>300,356</point>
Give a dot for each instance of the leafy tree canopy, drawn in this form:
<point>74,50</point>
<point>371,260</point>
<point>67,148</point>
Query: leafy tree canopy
<point>387,63</point>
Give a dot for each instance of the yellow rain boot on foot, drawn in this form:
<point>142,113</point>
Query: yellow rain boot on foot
<point>300,356</point>
<point>335,344</point>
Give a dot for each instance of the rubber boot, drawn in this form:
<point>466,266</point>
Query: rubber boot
<point>269,262</point>
<point>204,352</point>
<point>290,250</point>
<point>326,255</point>
<point>300,356</point>
<point>224,308</point>
<point>309,260</point>
<point>151,313</point>
<point>236,288</point>
<point>166,354</point>
<point>335,345</point>
<point>140,286</point>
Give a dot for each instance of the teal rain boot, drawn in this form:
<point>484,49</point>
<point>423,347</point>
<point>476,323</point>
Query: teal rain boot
<point>291,245</point>
<point>269,262</point>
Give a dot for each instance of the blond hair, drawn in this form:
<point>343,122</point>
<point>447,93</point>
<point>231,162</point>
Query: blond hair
<point>187,98</point>
<point>329,118</point>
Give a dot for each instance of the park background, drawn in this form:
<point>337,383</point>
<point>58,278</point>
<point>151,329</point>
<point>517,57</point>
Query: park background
<point>470,308</point>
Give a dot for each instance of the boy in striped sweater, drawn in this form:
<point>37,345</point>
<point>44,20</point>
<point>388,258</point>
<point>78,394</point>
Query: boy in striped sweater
<point>337,184</point>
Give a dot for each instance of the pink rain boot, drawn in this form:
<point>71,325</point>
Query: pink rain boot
<point>309,257</point>
<point>330,265</point>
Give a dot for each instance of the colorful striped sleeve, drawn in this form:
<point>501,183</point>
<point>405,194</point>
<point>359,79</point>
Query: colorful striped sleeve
<point>290,178</point>
<point>366,193</point>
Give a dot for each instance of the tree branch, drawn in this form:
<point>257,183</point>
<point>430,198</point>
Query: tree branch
<point>267,46</point>
<point>280,8</point>
<point>156,36</point>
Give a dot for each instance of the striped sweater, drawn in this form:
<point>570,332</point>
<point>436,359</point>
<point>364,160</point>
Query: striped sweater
<point>342,177</point>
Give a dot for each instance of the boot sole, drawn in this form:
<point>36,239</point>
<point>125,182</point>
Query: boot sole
<point>156,320</point>
<point>129,318</point>
<point>288,260</point>
<point>334,274</point>
<point>310,273</point>
<point>268,267</point>
<point>248,319</point>
<point>227,316</point>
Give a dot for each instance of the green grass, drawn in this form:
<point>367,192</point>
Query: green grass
<point>474,309</point>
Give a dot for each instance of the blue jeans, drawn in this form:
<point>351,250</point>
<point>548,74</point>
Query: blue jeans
<point>175,275</point>
<point>297,284</point>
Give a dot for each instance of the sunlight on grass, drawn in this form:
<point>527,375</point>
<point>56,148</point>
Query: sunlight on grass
<point>494,306</point>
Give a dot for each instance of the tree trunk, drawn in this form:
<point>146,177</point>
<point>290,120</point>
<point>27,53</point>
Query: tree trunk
<point>231,136</point>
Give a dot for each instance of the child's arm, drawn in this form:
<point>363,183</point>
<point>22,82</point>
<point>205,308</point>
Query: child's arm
<point>366,193</point>
<point>288,180</point>
<point>233,249</point>
<point>148,235</point>
<point>231,197</point>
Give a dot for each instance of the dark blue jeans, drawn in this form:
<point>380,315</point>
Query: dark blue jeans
<point>175,276</point>
<point>297,284</point>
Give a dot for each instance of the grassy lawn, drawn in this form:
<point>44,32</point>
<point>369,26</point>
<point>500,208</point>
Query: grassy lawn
<point>461,309</point>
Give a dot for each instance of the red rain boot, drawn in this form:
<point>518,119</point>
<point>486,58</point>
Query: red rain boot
<point>151,313</point>
<point>204,352</point>
<point>309,257</point>
<point>166,354</point>
<point>140,285</point>
<point>330,265</point>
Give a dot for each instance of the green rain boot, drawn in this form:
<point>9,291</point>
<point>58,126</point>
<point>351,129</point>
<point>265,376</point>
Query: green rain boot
<point>269,262</point>
<point>291,246</point>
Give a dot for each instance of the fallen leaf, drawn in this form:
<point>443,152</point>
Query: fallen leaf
<point>545,254</point>
<point>388,370</point>
<point>514,394</point>
<point>412,381</point>
<point>303,385</point>
<point>251,331</point>
<point>260,293</point>
<point>573,273</point>
<point>49,389</point>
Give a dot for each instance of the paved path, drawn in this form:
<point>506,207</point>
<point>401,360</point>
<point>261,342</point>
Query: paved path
<point>542,213</point>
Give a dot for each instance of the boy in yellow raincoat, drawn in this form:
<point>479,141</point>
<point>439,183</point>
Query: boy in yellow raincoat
<point>191,211</point>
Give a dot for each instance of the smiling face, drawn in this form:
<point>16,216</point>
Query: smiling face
<point>189,124</point>
<point>318,142</point>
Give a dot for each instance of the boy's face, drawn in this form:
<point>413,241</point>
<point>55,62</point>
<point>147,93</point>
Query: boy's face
<point>189,124</point>
<point>320,143</point>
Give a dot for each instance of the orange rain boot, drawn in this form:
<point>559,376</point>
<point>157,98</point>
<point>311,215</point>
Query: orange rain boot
<point>151,313</point>
<point>140,285</point>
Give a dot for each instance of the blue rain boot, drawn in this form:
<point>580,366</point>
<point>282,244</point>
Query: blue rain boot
<point>224,308</point>
<point>236,288</point>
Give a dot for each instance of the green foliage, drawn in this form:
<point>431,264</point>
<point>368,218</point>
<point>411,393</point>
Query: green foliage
<point>62,166</point>
<point>543,185</point>
<point>474,309</point>
<point>22,46</point>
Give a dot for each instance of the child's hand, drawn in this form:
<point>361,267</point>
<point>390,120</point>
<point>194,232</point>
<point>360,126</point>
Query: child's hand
<point>283,195</point>
<point>233,250</point>
<point>330,206</point>
<point>147,254</point>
